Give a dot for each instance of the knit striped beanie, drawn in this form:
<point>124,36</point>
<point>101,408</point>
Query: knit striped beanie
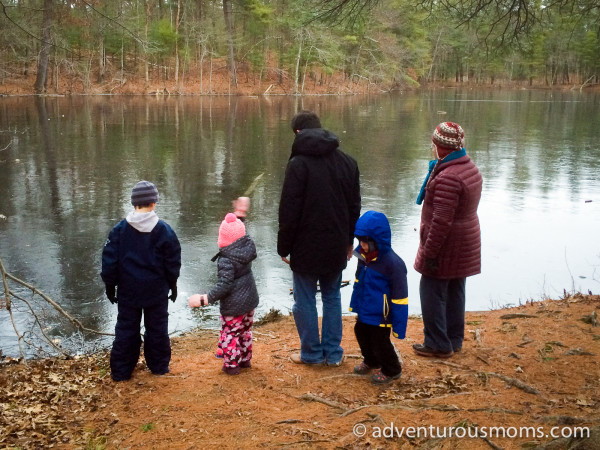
<point>144,193</point>
<point>449,136</point>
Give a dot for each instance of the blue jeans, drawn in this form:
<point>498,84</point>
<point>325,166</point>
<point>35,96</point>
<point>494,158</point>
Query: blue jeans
<point>312,349</point>
<point>443,309</point>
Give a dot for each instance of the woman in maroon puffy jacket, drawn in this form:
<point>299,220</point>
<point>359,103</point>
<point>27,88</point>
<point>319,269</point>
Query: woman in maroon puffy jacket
<point>450,241</point>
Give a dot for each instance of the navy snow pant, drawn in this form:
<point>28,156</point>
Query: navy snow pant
<point>377,348</point>
<point>126,346</point>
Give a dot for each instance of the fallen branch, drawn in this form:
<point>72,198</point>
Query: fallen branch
<point>566,420</point>
<point>314,398</point>
<point>424,406</point>
<point>496,410</point>
<point>508,380</point>
<point>307,441</point>
<point>517,316</point>
<point>56,347</point>
<point>9,295</point>
<point>56,306</point>
<point>514,382</point>
<point>526,341</point>
<point>491,444</point>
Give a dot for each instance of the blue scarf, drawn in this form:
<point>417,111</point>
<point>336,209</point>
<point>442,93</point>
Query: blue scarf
<point>452,156</point>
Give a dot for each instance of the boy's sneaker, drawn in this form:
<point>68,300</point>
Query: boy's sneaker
<point>231,370</point>
<point>379,378</point>
<point>363,369</point>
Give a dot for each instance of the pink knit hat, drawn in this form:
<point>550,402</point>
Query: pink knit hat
<point>231,230</point>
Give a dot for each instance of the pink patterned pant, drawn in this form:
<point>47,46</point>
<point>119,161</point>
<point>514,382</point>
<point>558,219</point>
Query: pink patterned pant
<point>236,339</point>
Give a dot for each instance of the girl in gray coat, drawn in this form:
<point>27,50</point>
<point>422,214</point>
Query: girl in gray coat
<point>236,290</point>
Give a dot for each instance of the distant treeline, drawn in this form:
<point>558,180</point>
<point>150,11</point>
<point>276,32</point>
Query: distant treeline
<point>233,45</point>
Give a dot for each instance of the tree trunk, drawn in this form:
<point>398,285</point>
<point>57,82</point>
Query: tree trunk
<point>146,39</point>
<point>296,91</point>
<point>101,61</point>
<point>177,45</point>
<point>228,15</point>
<point>42,65</point>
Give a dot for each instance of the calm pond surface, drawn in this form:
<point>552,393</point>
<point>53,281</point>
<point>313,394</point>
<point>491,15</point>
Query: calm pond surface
<point>67,166</point>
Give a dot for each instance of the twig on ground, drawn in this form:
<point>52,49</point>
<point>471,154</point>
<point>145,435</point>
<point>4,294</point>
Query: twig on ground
<point>314,398</point>
<point>517,316</point>
<point>514,382</point>
<point>508,380</point>
<point>306,441</point>
<point>491,444</point>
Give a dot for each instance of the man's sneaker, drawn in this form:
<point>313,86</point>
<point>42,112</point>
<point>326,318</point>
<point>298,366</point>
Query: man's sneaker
<point>423,350</point>
<point>337,364</point>
<point>296,359</point>
<point>379,378</point>
<point>363,369</point>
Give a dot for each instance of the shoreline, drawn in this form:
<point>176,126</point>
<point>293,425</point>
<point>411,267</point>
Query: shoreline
<point>535,365</point>
<point>21,89</point>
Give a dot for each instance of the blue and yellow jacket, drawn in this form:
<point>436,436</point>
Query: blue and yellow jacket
<point>380,293</point>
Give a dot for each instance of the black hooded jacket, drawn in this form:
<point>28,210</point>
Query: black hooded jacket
<point>320,204</point>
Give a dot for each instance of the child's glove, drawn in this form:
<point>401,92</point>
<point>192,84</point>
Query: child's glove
<point>241,206</point>
<point>111,293</point>
<point>197,300</point>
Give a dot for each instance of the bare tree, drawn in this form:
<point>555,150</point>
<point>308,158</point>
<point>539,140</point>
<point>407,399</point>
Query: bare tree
<point>42,65</point>
<point>228,15</point>
<point>503,21</point>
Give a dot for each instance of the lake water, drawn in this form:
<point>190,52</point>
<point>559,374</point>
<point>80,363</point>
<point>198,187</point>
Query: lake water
<point>67,166</point>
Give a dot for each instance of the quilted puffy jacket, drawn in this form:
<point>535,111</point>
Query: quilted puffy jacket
<point>450,238</point>
<point>235,287</point>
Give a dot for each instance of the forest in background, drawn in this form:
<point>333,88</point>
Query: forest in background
<point>293,46</point>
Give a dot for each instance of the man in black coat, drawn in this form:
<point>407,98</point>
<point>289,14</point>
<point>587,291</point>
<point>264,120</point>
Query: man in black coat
<point>319,207</point>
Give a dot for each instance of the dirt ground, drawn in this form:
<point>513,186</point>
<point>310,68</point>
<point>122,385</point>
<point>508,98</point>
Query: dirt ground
<point>536,365</point>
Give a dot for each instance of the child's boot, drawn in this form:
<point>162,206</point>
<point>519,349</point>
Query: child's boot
<point>235,370</point>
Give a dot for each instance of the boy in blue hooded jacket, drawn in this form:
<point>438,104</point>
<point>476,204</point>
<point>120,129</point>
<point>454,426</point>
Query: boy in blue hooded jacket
<point>379,297</point>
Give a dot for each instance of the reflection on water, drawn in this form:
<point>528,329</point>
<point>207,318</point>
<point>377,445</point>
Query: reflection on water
<point>68,166</point>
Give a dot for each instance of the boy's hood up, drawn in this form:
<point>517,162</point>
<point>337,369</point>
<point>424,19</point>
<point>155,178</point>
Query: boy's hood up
<point>376,226</point>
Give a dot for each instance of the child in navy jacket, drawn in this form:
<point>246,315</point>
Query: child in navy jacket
<point>140,264</point>
<point>379,297</point>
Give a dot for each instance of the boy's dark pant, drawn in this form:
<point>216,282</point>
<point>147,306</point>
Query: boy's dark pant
<point>443,309</point>
<point>377,349</point>
<point>126,346</point>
